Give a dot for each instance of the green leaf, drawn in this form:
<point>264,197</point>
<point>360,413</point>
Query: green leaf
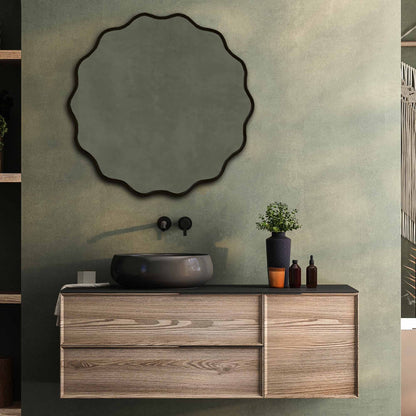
<point>278,218</point>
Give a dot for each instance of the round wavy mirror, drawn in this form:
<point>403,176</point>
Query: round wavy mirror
<point>160,104</point>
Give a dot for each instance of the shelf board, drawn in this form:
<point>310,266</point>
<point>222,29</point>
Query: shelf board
<point>10,177</point>
<point>10,298</point>
<point>14,410</point>
<point>10,55</point>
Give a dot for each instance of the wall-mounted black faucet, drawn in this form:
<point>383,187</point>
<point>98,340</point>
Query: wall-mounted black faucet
<point>185,224</point>
<point>164,223</point>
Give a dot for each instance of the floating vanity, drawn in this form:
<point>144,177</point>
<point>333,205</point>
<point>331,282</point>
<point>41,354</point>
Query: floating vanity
<point>210,342</point>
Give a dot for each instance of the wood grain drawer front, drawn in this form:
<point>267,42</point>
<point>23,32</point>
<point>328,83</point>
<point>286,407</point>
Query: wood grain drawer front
<point>160,372</point>
<point>311,346</point>
<point>120,320</point>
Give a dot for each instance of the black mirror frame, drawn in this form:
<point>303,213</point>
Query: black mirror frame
<point>92,158</point>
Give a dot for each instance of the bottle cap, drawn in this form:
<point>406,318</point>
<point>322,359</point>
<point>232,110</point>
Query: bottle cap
<point>311,262</point>
<point>295,261</point>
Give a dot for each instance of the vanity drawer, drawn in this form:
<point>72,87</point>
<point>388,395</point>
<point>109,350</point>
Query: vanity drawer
<point>159,320</point>
<point>179,372</point>
<point>312,346</point>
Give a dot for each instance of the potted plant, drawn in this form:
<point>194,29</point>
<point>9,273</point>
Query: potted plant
<point>3,131</point>
<point>278,219</point>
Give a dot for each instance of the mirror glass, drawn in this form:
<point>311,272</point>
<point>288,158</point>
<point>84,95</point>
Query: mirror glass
<point>161,104</point>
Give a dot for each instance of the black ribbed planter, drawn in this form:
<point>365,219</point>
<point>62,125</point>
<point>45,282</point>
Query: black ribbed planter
<point>278,253</point>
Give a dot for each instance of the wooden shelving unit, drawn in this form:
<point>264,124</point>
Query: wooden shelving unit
<point>14,410</point>
<point>10,177</point>
<point>10,207</point>
<point>10,298</point>
<point>10,55</point>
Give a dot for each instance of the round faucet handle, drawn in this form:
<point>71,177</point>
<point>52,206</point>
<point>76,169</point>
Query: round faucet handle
<point>164,223</point>
<point>185,224</point>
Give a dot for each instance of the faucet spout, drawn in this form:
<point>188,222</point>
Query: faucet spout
<point>164,223</point>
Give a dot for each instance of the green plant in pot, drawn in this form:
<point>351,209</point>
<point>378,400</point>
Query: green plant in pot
<point>3,131</point>
<point>278,219</point>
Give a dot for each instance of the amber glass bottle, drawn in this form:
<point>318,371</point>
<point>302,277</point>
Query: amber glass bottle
<point>295,275</point>
<point>311,274</point>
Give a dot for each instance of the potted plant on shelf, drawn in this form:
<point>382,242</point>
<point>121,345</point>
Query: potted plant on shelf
<point>3,131</point>
<point>278,219</point>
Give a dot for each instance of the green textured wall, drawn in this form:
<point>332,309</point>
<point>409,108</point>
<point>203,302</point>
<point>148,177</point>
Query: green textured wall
<point>324,138</point>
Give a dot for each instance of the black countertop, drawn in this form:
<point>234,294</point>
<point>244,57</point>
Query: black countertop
<point>221,290</point>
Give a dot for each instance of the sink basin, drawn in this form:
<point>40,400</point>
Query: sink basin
<point>161,270</point>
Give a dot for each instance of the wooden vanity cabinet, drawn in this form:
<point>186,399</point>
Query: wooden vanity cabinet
<point>184,345</point>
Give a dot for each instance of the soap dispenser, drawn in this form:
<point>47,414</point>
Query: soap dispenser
<point>311,274</point>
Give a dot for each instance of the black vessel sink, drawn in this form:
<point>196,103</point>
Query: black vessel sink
<point>161,270</point>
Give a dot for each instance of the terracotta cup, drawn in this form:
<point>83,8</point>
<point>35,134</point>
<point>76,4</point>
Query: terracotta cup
<point>277,277</point>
